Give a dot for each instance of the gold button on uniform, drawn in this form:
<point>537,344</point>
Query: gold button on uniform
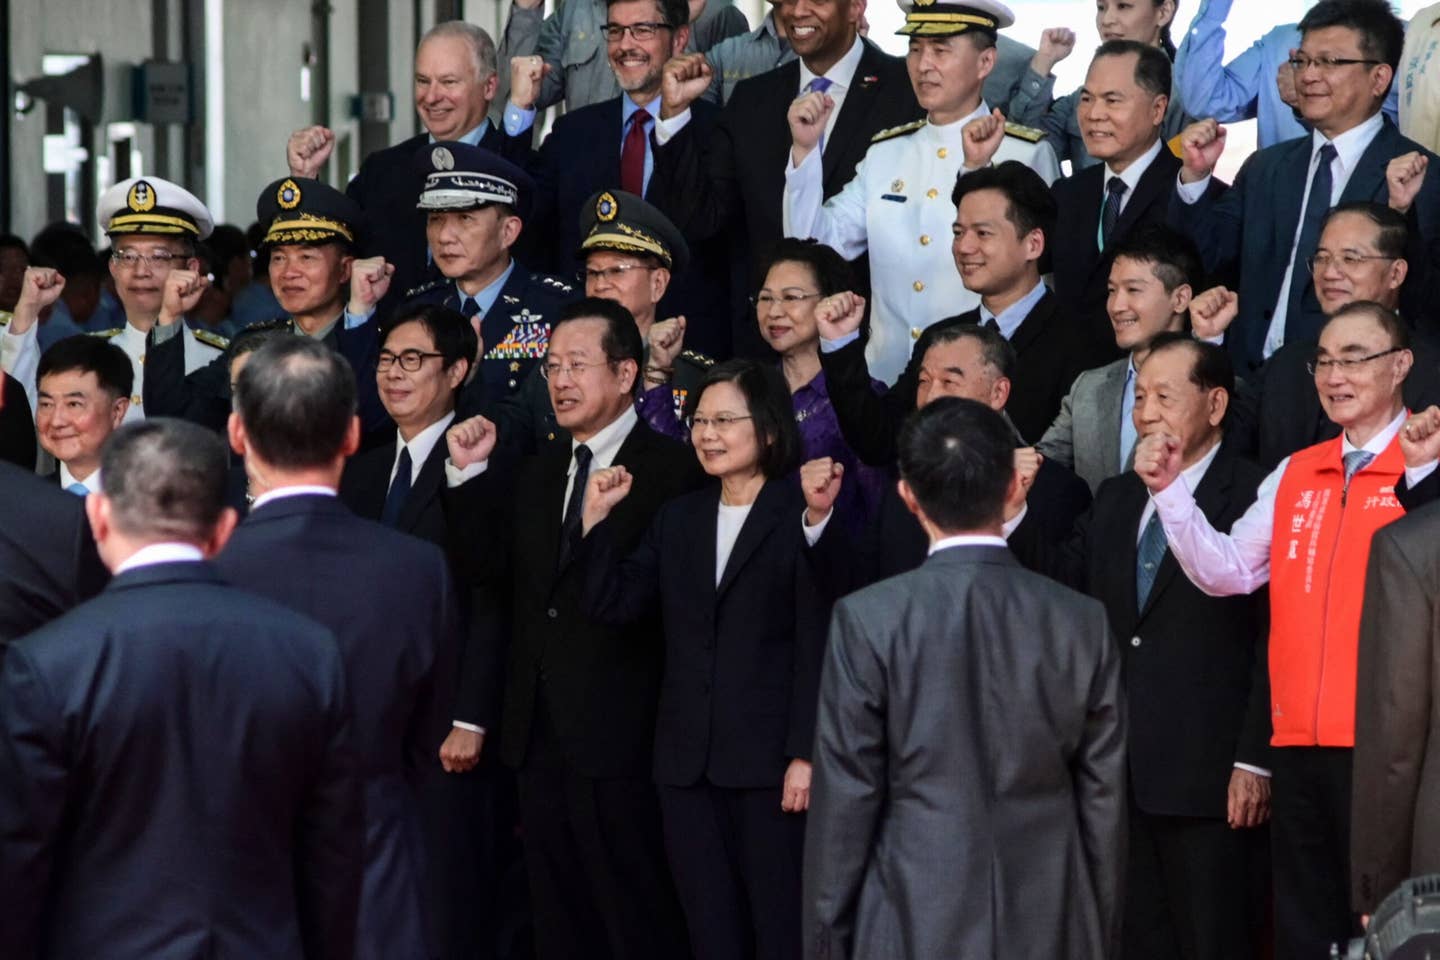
<point>942,153</point>
<point>924,239</point>
<point>919,285</point>
<point>932,193</point>
<point>914,333</point>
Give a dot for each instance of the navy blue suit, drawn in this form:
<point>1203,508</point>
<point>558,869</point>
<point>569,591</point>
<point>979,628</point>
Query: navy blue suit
<point>562,186</point>
<point>178,779</point>
<point>1250,228</point>
<point>388,599</point>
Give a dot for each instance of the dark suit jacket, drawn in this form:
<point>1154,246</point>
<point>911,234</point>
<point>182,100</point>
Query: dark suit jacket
<point>1196,674</point>
<point>599,683</point>
<point>388,600</point>
<point>178,778</point>
<point>1396,780</point>
<point>947,816</point>
<point>1081,268</point>
<point>1250,229</point>
<point>742,659</point>
<point>17,425</point>
<point>387,187</point>
<point>1049,351</point>
<point>46,552</point>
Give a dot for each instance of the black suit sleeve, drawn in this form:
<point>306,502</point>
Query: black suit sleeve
<point>870,422</point>
<point>618,592</point>
<point>202,397</point>
<point>813,599</point>
<point>431,719</point>
<point>1413,498</point>
<point>17,425</point>
<point>1256,731</point>
<point>1063,558</point>
<point>695,180</point>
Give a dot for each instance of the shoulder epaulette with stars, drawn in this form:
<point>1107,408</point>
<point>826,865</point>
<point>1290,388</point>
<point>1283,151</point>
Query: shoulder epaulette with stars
<point>5,317</point>
<point>279,323</point>
<point>697,358</point>
<point>212,339</point>
<point>106,334</point>
<point>560,285</point>
<point>899,131</point>
<point>1032,134</point>
<point>424,288</point>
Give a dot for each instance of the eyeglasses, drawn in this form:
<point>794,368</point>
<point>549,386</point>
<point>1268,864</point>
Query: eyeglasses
<point>1300,61</point>
<point>615,32</point>
<point>129,259</point>
<point>722,423</point>
<point>765,300</point>
<point>610,274</point>
<point>1326,364</point>
<point>574,369</point>
<point>410,360</point>
<point>1349,260</point>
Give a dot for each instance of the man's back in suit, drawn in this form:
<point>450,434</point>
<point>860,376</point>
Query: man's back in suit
<point>178,778</point>
<point>46,551</point>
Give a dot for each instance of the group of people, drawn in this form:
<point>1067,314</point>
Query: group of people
<point>661,542</point>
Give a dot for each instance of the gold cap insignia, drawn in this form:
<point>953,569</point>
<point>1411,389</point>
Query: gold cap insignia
<point>141,197</point>
<point>288,196</point>
<point>606,208</point>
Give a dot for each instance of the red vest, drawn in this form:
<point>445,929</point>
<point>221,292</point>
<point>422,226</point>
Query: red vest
<point>1318,556</point>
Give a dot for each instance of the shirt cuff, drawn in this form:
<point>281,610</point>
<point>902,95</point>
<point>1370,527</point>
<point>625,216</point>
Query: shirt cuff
<point>665,129</point>
<point>1218,340</point>
<point>455,477</point>
<point>11,344</point>
<point>1191,192</point>
<point>793,169</point>
<point>462,725</point>
<point>1258,771</point>
<point>1174,502</point>
<point>518,119</point>
<point>160,333</point>
<point>354,320</point>
<point>1414,476</point>
<point>1013,524</point>
<point>839,343</point>
<point>813,534</point>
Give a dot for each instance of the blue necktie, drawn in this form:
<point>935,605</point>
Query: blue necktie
<point>1355,461</point>
<point>469,307</point>
<point>1316,207</point>
<point>1147,559</point>
<point>78,489</point>
<point>819,85</point>
<point>399,490</point>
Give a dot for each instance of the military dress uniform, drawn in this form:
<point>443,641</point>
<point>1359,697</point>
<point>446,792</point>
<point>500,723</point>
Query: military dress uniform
<point>898,206</point>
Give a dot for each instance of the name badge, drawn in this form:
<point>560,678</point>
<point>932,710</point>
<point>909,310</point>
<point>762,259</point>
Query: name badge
<point>894,197</point>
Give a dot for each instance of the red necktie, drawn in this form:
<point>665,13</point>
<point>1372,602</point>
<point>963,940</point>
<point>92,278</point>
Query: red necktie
<point>632,155</point>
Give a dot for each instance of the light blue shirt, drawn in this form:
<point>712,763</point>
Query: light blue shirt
<point>474,136</point>
<point>1244,88</point>
<point>1009,319</point>
<point>486,298</point>
<point>627,110</point>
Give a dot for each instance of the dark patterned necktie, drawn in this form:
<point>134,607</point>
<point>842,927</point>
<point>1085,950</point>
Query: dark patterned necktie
<point>1110,215</point>
<point>1147,559</point>
<point>574,506</point>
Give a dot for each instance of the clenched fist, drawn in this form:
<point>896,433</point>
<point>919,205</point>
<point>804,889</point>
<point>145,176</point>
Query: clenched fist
<point>527,74</point>
<point>471,441</point>
<point>40,287</point>
<point>667,340</point>
<point>183,290</point>
<point>1157,460</point>
<point>820,483</point>
<point>1056,43</point>
<point>1202,143</point>
<point>839,315</point>
<point>369,282</point>
<point>1420,438</point>
<point>981,137</point>
<point>1404,176</point>
<point>808,116</point>
<point>683,80</point>
<point>309,150</point>
<point>603,492</point>
<point>1212,312</point>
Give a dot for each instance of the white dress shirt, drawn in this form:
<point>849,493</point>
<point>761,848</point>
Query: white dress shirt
<point>604,446</point>
<point>1130,176</point>
<point>160,553</point>
<point>90,483</point>
<point>727,529</point>
<point>299,490</point>
<point>966,540</point>
<point>420,446</point>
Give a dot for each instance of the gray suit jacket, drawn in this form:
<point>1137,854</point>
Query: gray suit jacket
<point>969,765</point>
<point>1086,433</point>
<point>1396,777</point>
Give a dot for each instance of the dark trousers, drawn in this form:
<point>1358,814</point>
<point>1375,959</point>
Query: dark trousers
<point>1187,893</point>
<point>736,858</point>
<point>1310,832</point>
<point>599,888</point>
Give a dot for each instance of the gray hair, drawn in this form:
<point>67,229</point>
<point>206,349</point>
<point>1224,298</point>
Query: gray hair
<point>480,43</point>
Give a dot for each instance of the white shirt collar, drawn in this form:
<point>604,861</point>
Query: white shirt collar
<point>842,75</point>
<point>421,445</point>
<point>1381,440</point>
<point>1351,144</point>
<point>91,483</point>
<point>299,490</point>
<point>161,553</point>
<point>1131,175</point>
<point>1193,474</point>
<point>966,540</point>
<point>606,444</point>
<point>952,131</point>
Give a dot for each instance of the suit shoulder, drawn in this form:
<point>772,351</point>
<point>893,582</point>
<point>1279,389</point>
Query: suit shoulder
<point>890,133</point>
<point>1022,132</point>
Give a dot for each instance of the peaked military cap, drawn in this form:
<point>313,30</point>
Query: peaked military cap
<point>620,221</point>
<point>153,206</point>
<point>458,176</point>
<point>941,18</point>
<point>301,210</point>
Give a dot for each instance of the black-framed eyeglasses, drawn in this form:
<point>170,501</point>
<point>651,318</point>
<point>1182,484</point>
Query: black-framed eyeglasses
<point>1344,364</point>
<point>410,360</point>
<point>575,369</point>
<point>1349,260</point>
<point>1299,62</point>
<point>614,32</point>
<point>611,274</point>
<point>130,259</point>
<point>766,299</point>
<point>722,423</point>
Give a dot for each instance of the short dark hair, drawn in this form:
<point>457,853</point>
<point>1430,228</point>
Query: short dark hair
<point>957,457</point>
<point>90,354</point>
<point>296,399</point>
<point>8,241</point>
<point>676,13</point>
<point>1393,233</point>
<point>165,479</point>
<point>996,350</point>
<point>62,248</point>
<point>831,271</point>
<point>1152,66</point>
<point>1382,34</point>
<point>1210,365</point>
<point>1388,320</point>
<point>1173,257</point>
<point>621,339</point>
<point>248,341</point>
<point>1029,203</point>
<point>772,412</point>
<point>226,243</point>
<point>449,330</point>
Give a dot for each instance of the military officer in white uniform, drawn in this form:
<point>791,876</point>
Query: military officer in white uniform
<point>898,206</point>
<point>153,227</point>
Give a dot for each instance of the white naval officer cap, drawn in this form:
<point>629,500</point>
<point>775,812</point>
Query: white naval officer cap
<point>940,18</point>
<point>150,205</point>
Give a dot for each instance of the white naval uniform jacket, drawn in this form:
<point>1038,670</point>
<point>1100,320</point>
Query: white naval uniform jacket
<point>898,208</point>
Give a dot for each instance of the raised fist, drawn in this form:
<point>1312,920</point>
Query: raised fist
<point>808,116</point>
<point>1420,437</point>
<point>683,80</point>
<point>308,151</point>
<point>981,137</point>
<point>1056,43</point>
<point>839,315</point>
<point>1157,460</point>
<point>1212,312</point>
<point>1202,142</point>
<point>526,76</point>
<point>40,287</point>
<point>369,281</point>
<point>1404,176</point>
<point>820,483</point>
<point>603,492</point>
<point>183,290</point>
<point>471,441</point>
<point>667,340</point>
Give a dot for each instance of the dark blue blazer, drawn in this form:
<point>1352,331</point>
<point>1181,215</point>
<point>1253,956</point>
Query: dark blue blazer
<point>1249,228</point>
<point>387,598</point>
<point>178,779</point>
<point>564,182</point>
<point>47,555</point>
